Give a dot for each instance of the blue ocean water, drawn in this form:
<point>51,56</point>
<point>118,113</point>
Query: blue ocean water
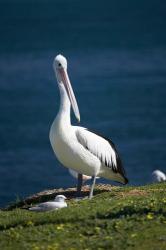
<point>117,66</point>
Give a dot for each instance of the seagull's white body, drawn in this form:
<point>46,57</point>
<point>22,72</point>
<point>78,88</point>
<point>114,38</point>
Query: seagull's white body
<point>58,203</point>
<point>158,176</point>
<point>84,177</point>
<point>76,147</point>
<point>75,175</point>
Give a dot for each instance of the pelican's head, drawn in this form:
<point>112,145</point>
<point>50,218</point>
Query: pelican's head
<point>60,198</point>
<point>60,62</point>
<point>60,68</point>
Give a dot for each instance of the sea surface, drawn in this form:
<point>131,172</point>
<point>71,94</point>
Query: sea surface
<point>116,55</point>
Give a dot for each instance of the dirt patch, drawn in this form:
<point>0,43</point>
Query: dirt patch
<point>134,192</point>
<point>70,193</point>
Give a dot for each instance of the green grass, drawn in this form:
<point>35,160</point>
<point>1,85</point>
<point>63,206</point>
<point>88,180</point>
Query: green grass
<point>125,218</point>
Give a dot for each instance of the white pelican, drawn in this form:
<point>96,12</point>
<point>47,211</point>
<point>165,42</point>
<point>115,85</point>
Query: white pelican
<point>158,176</point>
<point>59,202</point>
<point>77,147</point>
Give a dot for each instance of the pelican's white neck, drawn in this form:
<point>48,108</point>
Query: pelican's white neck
<point>63,115</point>
<point>67,97</point>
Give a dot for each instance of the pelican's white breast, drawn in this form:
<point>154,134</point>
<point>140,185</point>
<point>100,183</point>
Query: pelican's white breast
<point>70,152</point>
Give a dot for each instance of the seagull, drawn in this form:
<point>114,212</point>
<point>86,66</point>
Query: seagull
<point>158,176</point>
<point>76,175</point>
<point>77,147</point>
<point>58,203</point>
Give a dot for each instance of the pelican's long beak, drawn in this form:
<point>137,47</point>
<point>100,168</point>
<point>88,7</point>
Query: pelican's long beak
<point>65,79</point>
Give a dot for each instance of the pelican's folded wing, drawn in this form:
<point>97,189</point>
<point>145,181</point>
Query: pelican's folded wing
<point>102,148</point>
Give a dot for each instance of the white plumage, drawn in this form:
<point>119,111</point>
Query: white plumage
<point>76,147</point>
<point>85,152</point>
<point>98,146</point>
<point>158,176</point>
<point>75,175</point>
<point>58,203</point>
<point>84,177</point>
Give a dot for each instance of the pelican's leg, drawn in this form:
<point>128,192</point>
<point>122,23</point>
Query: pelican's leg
<point>92,187</point>
<point>79,185</point>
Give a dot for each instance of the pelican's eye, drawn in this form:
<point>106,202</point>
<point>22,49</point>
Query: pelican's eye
<point>59,64</point>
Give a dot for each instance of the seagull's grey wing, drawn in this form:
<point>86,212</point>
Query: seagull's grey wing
<point>45,206</point>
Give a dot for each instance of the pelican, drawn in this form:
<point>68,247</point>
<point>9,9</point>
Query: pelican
<point>158,176</point>
<point>77,147</point>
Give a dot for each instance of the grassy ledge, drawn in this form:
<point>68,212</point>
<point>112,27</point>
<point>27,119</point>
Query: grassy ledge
<point>123,218</point>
